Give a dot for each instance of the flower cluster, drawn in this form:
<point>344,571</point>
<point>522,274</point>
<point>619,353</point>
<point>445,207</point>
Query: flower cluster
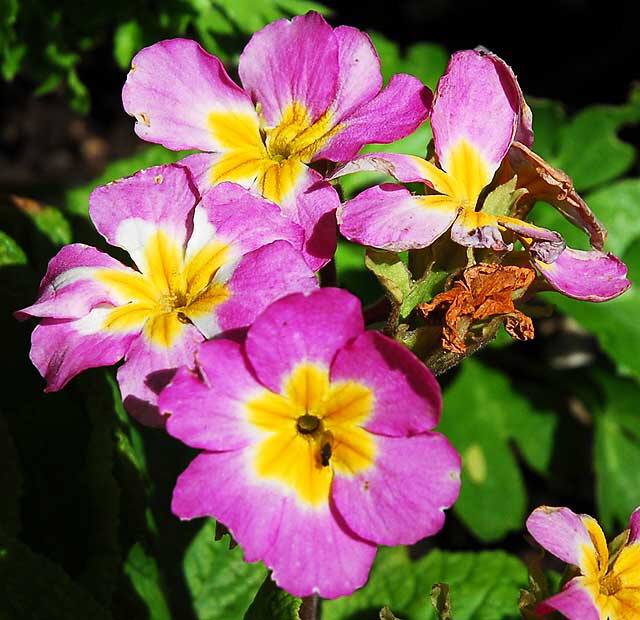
<point>313,431</point>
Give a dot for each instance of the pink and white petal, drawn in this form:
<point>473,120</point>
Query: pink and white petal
<point>589,276</point>
<point>561,532</point>
<point>402,497</point>
<point>394,113</point>
<point>524,129</point>
<point>128,211</point>
<point>574,602</point>
<point>302,328</point>
<point>313,206</point>
<point>239,217</point>
<point>389,217</point>
<point>407,397</point>
<point>263,276</point>
<point>315,553</point>
<point>359,77</point>
<point>149,368</point>
<point>69,289</point>
<point>172,89</point>
<point>474,103</point>
<point>634,527</point>
<point>222,485</point>
<point>291,62</point>
<point>543,244</point>
<point>209,411</point>
<point>60,349</point>
<point>474,229</point>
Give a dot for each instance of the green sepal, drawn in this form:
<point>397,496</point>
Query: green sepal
<point>274,603</point>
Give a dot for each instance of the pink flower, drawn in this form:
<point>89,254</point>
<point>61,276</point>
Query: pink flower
<point>478,115</point>
<point>607,588</point>
<point>311,92</point>
<point>317,443</point>
<point>200,270</point>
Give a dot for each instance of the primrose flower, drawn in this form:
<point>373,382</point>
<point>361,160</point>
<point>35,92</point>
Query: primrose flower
<point>607,588</point>
<point>311,92</point>
<point>200,270</point>
<point>317,443</point>
<point>478,116</point>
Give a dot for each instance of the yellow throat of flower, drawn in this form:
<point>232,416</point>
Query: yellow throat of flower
<point>312,429</point>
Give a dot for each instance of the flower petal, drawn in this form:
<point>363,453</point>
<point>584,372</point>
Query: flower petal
<point>262,277</point>
<point>402,497</point>
<point>394,113</point>
<point>175,89</point>
<point>210,412</point>
<point>561,532</point>
<point>407,398</point>
<point>245,220</point>
<point>129,211</point>
<point>590,276</point>
<point>634,527</point>
<point>359,77</point>
<point>473,104</point>
<point>314,553</point>
<point>574,602</point>
<point>60,349</point>
<point>149,367</point>
<point>302,328</point>
<point>390,217</point>
<point>69,290</point>
<point>475,229</point>
<point>543,244</point>
<point>222,485</point>
<point>291,62</point>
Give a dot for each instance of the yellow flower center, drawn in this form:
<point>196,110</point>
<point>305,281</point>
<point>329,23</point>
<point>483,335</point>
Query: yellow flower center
<point>272,158</point>
<point>312,429</point>
<point>169,291</point>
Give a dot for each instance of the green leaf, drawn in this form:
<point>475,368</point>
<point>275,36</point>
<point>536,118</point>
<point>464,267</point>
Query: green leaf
<point>390,271</point>
<point>34,588</point>
<point>143,572</point>
<point>617,450</point>
<point>482,414</point>
<point>484,586</point>
<point>10,252</point>
<point>614,322</point>
<point>222,584</point>
<point>548,119</point>
<point>273,603</point>
<point>77,199</point>
<point>127,40</point>
<point>352,273</point>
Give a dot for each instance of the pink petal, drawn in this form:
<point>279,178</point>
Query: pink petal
<point>394,113</point>
<point>247,221</point>
<point>403,168</point>
<point>210,412</point>
<point>291,61</point>
<point>478,230</point>
<point>263,276</point>
<point>407,398</point>
<point>69,289</point>
<point>125,212</point>
<point>634,526</point>
<point>561,532</point>
<point>149,368</point>
<point>589,276</point>
<point>545,245</point>
<point>314,553</point>
<point>359,77</point>
<point>171,90</point>
<point>474,102</point>
<point>390,217</point>
<point>60,349</point>
<point>402,497</point>
<point>300,328</point>
<point>574,602</point>
<point>222,485</point>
